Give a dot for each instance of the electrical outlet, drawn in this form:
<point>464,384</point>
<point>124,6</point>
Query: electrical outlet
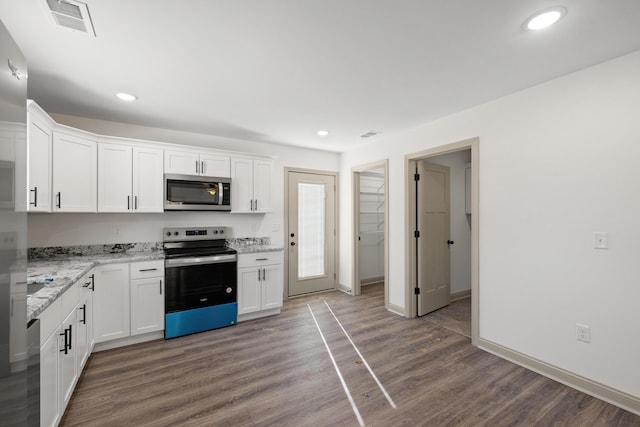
<point>583,332</point>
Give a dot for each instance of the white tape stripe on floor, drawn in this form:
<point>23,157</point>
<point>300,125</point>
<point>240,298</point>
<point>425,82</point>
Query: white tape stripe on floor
<point>384,391</point>
<point>335,365</point>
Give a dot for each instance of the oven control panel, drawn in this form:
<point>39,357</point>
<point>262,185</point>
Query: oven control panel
<point>173,234</point>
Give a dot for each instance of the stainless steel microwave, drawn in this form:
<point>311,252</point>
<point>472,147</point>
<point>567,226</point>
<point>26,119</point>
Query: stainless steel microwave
<point>196,193</point>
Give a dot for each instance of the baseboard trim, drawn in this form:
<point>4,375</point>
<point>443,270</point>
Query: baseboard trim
<point>121,342</point>
<point>615,397</point>
<point>460,295</point>
<point>371,280</point>
<point>343,288</point>
<point>396,309</point>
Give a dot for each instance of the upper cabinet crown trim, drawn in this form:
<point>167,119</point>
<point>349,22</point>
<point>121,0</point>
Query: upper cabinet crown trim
<point>57,127</point>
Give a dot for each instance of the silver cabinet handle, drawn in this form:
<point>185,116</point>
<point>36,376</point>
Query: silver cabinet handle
<point>135,202</point>
<point>147,269</point>
<point>197,167</point>
<point>258,275</point>
<point>160,285</point>
<point>256,205</point>
<point>203,168</point>
<point>262,259</point>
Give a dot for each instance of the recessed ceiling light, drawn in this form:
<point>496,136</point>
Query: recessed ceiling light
<point>544,18</point>
<point>126,96</point>
<point>323,132</point>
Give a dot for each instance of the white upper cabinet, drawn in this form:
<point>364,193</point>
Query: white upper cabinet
<point>74,173</point>
<point>251,185</point>
<point>114,178</point>
<point>194,163</point>
<point>148,180</point>
<point>39,146</point>
<point>129,179</point>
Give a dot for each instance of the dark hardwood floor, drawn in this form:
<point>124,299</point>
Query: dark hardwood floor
<point>277,372</point>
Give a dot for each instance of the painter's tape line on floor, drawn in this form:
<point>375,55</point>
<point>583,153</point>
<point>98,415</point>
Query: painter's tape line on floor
<point>373,375</point>
<point>335,365</point>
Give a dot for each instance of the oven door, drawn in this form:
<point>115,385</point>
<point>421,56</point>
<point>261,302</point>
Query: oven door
<point>201,281</point>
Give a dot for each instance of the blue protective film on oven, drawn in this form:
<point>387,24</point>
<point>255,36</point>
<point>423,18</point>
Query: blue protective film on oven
<point>200,319</point>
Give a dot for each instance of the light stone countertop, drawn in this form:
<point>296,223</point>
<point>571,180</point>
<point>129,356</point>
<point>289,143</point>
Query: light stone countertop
<point>65,271</point>
<point>250,249</point>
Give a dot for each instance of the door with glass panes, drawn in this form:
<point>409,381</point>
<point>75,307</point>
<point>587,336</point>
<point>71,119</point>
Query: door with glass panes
<point>311,232</point>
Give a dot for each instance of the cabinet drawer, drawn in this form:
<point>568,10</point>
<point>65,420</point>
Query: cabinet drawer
<point>70,299</point>
<point>259,258</point>
<point>141,270</point>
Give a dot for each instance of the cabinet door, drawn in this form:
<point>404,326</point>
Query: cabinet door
<point>49,385</point>
<point>147,305</point>
<point>262,172</point>
<point>83,325</point>
<point>114,178</point>
<point>241,185</point>
<point>249,290</point>
<point>67,358</point>
<point>272,286</point>
<point>181,162</point>
<point>74,173</point>
<point>111,302</point>
<point>148,177</point>
<point>40,140</point>
<point>213,165</point>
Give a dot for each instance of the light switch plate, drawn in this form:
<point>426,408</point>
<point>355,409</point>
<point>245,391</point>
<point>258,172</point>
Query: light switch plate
<point>600,240</point>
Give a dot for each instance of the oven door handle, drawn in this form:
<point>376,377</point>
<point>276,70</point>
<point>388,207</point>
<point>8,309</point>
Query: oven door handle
<point>216,259</point>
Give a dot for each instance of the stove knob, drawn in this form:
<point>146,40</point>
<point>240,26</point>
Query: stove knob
<point>215,231</point>
<point>221,231</point>
<point>175,233</point>
<point>229,290</point>
<point>168,233</point>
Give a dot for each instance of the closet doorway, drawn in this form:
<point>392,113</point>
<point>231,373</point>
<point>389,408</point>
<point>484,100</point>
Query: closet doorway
<point>371,227</point>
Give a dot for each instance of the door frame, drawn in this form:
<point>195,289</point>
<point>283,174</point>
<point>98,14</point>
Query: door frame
<point>410,220</point>
<point>286,225</point>
<point>355,180</point>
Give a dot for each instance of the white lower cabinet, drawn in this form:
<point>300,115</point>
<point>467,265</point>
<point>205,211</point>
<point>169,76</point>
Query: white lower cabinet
<point>49,383</point>
<point>147,297</point>
<point>260,284</point>
<point>111,302</point>
<point>64,346</point>
<point>67,357</point>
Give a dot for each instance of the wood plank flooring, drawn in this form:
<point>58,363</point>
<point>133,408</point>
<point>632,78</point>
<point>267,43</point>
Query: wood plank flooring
<point>277,372</point>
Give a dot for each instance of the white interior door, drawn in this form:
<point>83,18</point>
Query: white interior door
<point>433,244</point>
<point>311,228</point>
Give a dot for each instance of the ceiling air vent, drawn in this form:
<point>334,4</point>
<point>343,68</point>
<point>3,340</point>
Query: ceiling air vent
<point>72,14</point>
<point>369,134</point>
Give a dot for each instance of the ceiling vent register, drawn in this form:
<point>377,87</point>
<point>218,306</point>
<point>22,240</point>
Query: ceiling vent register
<point>72,14</point>
<point>369,134</point>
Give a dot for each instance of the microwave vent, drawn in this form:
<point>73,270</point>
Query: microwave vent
<point>72,14</point>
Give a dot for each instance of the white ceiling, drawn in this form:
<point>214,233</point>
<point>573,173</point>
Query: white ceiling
<point>279,70</point>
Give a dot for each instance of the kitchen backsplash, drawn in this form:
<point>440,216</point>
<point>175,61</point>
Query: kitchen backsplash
<point>248,241</point>
<point>84,250</point>
<point>117,248</point>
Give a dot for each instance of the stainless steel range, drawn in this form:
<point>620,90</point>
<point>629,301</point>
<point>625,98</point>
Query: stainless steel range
<point>201,280</point>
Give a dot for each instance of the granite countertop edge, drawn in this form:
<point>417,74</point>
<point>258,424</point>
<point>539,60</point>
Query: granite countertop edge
<point>66,271</point>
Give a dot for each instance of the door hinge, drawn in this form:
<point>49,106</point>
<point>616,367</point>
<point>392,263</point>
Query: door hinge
<point>416,291</point>
<point>416,177</point>
<point>416,234</point>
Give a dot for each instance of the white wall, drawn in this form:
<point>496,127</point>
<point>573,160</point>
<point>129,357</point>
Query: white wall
<point>460,224</point>
<point>81,229</point>
<point>557,162</point>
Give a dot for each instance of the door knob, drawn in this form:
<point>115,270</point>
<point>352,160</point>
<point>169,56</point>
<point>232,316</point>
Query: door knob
<point>293,243</point>
<point>449,242</point>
